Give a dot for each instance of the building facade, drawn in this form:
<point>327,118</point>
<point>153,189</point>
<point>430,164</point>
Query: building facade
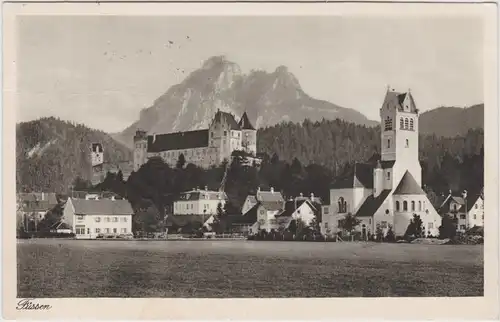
<point>199,202</point>
<point>204,148</point>
<point>90,218</point>
<point>100,168</point>
<point>388,193</point>
<point>467,209</point>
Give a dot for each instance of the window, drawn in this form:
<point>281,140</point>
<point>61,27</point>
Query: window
<point>106,219</point>
<point>325,210</point>
<point>88,231</point>
<point>115,230</point>
<point>476,206</point>
<point>407,143</point>
<point>387,211</point>
<point>474,216</point>
<point>262,212</point>
<point>389,143</point>
<point>342,205</point>
<point>405,205</point>
<point>369,221</point>
<point>462,216</point>
<point>123,219</point>
<point>413,206</point>
<point>411,124</point>
<point>406,123</point>
<point>388,175</point>
<point>420,206</point>
<point>401,126</point>
<point>462,227</point>
<point>383,224</point>
<point>98,230</point>
<point>106,230</point>
<point>80,230</point>
<point>326,225</point>
<point>430,225</point>
<point>124,230</point>
<point>225,133</point>
<point>79,218</point>
<point>397,205</point>
<point>115,219</point>
<point>388,124</point>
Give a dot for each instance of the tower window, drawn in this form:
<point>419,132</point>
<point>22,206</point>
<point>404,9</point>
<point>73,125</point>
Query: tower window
<point>406,123</point>
<point>401,125</point>
<point>388,176</point>
<point>388,124</point>
<point>420,206</point>
<point>407,143</point>
<point>411,124</point>
<point>342,205</point>
<point>397,205</point>
<point>389,143</point>
<point>405,205</point>
<point>413,206</point>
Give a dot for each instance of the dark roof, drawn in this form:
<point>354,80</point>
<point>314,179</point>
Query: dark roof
<point>272,205</point>
<point>224,117</point>
<point>244,123</point>
<point>250,217</point>
<point>50,197</point>
<point>178,141</point>
<point>266,196</point>
<point>395,100</point>
<point>185,220</point>
<point>361,176</point>
<point>387,164</point>
<point>201,195</point>
<point>102,207</point>
<point>289,209</point>
<point>371,204</point>
<point>408,186</point>
<point>97,147</point>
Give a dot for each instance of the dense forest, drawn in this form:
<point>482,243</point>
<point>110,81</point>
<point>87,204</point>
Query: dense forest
<point>50,153</point>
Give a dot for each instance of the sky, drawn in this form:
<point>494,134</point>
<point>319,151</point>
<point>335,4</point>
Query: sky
<point>102,70</point>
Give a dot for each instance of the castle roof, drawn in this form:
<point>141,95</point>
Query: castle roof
<point>244,123</point>
<point>408,186</point>
<point>371,204</point>
<point>178,141</point>
<point>227,118</point>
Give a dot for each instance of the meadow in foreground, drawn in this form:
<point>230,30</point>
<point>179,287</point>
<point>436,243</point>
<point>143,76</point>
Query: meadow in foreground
<point>71,268</point>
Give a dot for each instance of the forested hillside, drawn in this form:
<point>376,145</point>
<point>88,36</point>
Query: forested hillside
<point>51,153</point>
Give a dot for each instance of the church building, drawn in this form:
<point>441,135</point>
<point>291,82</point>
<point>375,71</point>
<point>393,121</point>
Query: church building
<point>389,193</point>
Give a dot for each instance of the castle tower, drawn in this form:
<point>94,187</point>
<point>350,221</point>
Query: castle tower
<point>97,163</point>
<point>399,135</point>
<point>140,149</point>
<point>249,135</point>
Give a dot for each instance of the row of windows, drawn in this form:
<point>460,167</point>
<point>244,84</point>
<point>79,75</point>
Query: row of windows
<point>406,123</point>
<point>106,219</point>
<point>407,143</point>
<point>405,205</point>
<point>83,231</point>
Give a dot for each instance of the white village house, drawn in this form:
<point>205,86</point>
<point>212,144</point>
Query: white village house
<point>90,218</point>
<point>199,202</point>
<point>467,208</point>
<point>390,192</point>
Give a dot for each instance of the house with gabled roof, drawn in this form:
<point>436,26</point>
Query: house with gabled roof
<point>388,193</point>
<point>299,208</point>
<point>204,148</point>
<point>265,205</point>
<point>90,218</point>
<point>467,208</point>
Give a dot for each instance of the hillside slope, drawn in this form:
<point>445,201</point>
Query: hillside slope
<point>452,121</point>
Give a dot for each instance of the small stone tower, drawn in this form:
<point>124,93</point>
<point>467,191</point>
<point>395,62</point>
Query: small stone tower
<point>97,163</point>
<point>140,149</point>
<point>249,135</point>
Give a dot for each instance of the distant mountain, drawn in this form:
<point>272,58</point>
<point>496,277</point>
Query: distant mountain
<point>452,121</point>
<point>51,153</point>
<point>268,99</point>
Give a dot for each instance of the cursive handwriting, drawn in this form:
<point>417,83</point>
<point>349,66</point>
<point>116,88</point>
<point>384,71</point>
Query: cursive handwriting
<point>27,304</point>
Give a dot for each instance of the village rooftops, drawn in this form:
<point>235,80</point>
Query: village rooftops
<point>471,199</point>
<point>101,207</point>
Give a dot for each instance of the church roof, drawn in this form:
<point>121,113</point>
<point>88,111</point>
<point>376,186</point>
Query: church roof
<point>360,176</point>
<point>371,204</point>
<point>244,123</point>
<point>395,99</point>
<point>408,186</point>
<point>178,141</point>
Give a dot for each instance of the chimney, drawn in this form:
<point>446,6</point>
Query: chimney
<point>154,137</point>
<point>43,195</point>
<point>312,196</point>
<point>206,188</point>
<point>272,190</point>
<point>258,189</point>
<point>301,194</point>
<point>112,197</point>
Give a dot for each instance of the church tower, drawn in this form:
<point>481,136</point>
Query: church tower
<point>97,163</point>
<point>399,135</point>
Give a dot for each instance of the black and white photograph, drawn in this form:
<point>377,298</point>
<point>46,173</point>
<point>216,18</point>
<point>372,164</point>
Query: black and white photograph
<point>250,156</point>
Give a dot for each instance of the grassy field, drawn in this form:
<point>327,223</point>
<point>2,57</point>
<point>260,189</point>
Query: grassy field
<point>71,268</point>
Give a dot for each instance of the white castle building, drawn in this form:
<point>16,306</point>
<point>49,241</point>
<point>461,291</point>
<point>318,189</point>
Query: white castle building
<point>390,193</point>
<point>203,148</point>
